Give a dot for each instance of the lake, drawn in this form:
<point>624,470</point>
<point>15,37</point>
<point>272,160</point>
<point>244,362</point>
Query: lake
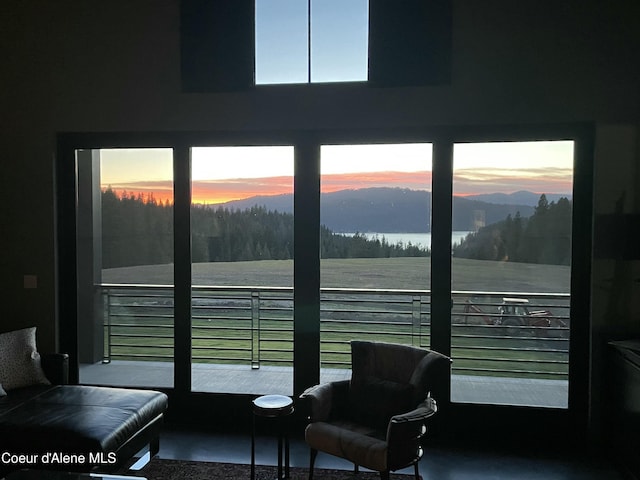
<point>419,239</point>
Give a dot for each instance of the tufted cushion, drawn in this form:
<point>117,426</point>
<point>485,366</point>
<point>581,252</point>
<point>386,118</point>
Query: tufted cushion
<point>19,360</point>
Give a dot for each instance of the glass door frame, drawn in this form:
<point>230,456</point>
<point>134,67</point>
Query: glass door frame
<point>306,235</point>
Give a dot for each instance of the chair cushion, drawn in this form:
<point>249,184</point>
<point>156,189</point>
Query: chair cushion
<point>357,447</point>
<point>373,401</point>
<point>384,360</point>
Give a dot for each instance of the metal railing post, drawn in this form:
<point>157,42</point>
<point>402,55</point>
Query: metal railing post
<point>255,329</point>
<point>415,320</point>
<point>107,307</point>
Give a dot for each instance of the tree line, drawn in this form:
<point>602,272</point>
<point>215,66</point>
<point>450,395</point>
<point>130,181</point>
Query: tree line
<point>138,230</point>
<point>544,237</point>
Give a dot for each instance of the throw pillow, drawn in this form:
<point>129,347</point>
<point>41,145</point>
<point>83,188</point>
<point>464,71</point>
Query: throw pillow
<point>19,360</point>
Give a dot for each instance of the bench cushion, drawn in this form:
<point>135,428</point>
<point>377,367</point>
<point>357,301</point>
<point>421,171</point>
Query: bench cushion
<point>75,419</point>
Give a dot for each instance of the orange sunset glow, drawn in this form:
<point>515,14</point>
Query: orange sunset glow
<point>221,191</point>
<point>412,180</point>
<point>467,182</point>
<point>209,192</point>
<point>223,174</point>
<point>160,191</point>
<point>472,182</point>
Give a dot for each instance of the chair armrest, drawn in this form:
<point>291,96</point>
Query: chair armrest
<point>56,367</point>
<point>324,399</point>
<point>405,432</point>
<point>423,411</point>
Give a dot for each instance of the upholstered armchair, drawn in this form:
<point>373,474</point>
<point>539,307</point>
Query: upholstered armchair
<point>378,418</point>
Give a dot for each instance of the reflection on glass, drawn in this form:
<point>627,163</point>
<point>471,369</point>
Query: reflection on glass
<point>242,270</point>
<point>125,216</point>
<point>375,246</point>
<point>511,272</point>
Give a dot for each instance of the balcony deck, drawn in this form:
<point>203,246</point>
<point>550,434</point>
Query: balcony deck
<point>241,379</point>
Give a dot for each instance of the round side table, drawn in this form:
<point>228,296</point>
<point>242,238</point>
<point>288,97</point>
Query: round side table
<point>277,407</point>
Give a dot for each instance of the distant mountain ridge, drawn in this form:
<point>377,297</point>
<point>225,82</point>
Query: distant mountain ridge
<point>398,210</point>
<point>522,197</point>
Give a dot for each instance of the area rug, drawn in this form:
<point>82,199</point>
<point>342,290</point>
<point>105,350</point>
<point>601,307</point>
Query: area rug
<point>161,469</point>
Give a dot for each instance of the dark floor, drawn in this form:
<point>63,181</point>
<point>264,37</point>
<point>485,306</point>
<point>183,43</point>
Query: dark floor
<point>438,463</point>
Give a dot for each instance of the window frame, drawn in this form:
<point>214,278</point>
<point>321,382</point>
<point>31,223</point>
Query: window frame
<point>306,291</point>
<point>411,46</point>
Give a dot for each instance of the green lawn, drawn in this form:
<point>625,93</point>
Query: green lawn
<point>396,273</point>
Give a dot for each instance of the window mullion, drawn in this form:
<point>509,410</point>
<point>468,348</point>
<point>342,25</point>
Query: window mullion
<point>306,291</point>
<point>182,268</point>
<point>442,194</point>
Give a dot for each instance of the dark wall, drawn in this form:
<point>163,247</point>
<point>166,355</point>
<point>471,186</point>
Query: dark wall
<point>95,66</point>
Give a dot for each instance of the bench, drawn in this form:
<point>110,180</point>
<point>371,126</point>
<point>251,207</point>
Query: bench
<point>50,424</point>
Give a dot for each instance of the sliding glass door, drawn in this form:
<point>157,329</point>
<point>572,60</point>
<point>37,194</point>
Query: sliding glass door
<point>511,272</point>
<point>185,274</point>
<point>242,269</point>
<point>375,248</point>
<point>125,267</point>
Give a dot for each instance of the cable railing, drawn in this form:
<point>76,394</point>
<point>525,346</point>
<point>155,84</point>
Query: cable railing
<point>492,333</point>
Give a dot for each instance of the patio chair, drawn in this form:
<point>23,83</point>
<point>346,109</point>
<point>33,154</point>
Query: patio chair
<point>378,418</point>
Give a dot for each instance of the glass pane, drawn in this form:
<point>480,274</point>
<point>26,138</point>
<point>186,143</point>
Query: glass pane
<point>125,267</point>
<point>242,271</point>
<point>511,272</point>
<point>282,48</point>
<point>375,248</point>
<point>339,40</point>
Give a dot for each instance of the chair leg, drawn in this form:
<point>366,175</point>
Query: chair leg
<point>356,468</point>
<point>312,460</point>
<point>415,467</point>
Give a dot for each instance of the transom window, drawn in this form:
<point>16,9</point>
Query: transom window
<point>311,41</point>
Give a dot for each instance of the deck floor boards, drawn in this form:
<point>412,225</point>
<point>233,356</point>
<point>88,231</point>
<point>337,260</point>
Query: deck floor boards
<point>242,379</point>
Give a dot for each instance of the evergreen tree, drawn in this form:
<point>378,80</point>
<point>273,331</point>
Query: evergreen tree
<point>138,230</point>
<point>545,237</point>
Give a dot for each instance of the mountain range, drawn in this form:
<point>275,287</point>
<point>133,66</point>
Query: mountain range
<point>522,197</point>
<point>398,210</point>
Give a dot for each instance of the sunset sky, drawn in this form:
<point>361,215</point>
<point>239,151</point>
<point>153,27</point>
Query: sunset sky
<point>229,173</point>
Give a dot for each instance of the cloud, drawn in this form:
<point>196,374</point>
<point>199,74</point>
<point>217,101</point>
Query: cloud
<point>219,191</point>
<point>491,180</point>
<point>411,180</point>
